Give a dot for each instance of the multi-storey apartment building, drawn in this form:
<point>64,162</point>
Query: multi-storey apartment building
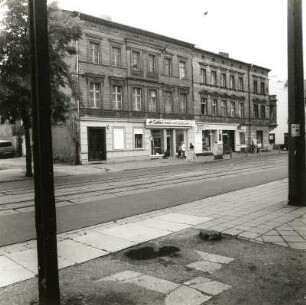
<point>142,94</point>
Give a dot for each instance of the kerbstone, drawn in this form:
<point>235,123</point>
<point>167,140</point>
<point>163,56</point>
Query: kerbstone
<point>183,218</point>
<point>186,295</point>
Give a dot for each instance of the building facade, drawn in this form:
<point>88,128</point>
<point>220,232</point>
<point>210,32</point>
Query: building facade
<point>143,94</point>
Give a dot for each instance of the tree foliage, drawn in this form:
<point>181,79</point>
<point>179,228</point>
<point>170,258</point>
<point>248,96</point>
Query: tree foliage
<point>15,61</point>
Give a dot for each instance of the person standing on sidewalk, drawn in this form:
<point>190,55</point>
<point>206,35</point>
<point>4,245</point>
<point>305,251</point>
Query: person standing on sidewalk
<point>183,150</point>
<point>192,156</point>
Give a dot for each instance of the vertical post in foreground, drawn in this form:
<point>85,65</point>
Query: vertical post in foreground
<point>296,106</point>
<point>45,213</point>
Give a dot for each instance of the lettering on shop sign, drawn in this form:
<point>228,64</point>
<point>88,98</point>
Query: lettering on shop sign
<point>169,123</point>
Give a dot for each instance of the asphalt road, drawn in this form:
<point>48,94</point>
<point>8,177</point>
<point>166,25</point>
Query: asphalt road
<point>86,200</point>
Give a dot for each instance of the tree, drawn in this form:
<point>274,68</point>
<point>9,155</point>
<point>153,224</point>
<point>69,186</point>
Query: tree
<point>15,65</point>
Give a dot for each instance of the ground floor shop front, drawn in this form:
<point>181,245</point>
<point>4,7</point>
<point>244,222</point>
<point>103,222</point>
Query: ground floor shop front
<point>135,139</point>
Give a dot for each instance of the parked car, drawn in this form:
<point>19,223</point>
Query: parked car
<point>6,148</point>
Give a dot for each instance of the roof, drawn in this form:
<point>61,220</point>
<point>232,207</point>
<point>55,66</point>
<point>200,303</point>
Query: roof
<point>120,26</point>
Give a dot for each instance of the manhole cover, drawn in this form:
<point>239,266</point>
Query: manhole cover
<point>149,252</point>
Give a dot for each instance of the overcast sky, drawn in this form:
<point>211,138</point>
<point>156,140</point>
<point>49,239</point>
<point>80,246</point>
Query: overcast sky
<point>253,31</point>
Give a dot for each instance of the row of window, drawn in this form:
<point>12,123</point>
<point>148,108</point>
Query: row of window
<point>223,80</point>
<point>137,98</point>
<point>221,109</point>
<point>255,87</point>
<point>136,62</point>
<point>260,112</point>
<point>119,136</point>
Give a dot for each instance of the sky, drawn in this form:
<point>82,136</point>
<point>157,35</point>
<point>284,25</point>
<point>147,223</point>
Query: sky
<point>253,31</point>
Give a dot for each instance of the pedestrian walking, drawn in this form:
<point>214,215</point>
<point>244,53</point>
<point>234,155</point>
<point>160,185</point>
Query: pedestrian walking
<point>192,155</point>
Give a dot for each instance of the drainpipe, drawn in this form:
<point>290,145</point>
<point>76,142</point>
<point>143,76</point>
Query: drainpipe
<point>249,100</point>
<point>78,120</point>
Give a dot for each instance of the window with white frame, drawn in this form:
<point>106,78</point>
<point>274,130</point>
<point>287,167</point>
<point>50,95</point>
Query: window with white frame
<point>204,105</point>
<point>183,102</point>
<point>232,82</point>
<point>213,78</point>
<point>203,75</point>
<point>168,66</point>
<point>168,101</point>
<point>94,94</point>
<point>182,69</point>
<point>240,84</point>
<point>223,80</point>
<point>118,138</point>
<point>232,109</point>
<point>241,110</point>
<point>117,97</point>
<point>214,107</point>
<point>137,96</point>
<point>116,56</point>
<point>94,52</point>
<point>136,60</point>
<point>152,100</point>
<point>223,108</point>
<point>151,63</point>
<point>138,138</point>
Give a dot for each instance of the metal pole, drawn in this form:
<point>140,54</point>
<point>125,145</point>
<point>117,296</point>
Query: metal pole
<point>296,106</point>
<point>45,213</point>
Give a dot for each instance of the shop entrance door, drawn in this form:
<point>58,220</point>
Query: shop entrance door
<point>228,138</point>
<point>96,143</point>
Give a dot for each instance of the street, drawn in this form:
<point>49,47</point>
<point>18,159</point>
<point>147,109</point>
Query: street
<point>84,200</point>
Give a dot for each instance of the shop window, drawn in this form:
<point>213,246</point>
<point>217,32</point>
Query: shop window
<point>138,138</point>
<point>94,52</point>
<point>204,105</point>
<point>152,100</point>
<point>137,95</point>
<point>94,94</point>
<point>168,66</point>
<point>156,142</point>
<point>242,138</point>
<point>118,138</point>
<point>182,69</point>
<point>116,56</point>
<point>183,102</point>
<point>117,97</point>
<point>206,140</point>
<point>272,138</point>
<point>168,101</point>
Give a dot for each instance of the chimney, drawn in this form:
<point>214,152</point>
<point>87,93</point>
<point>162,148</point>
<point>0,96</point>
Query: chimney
<point>224,54</point>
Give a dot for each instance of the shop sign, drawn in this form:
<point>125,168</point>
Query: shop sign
<point>169,123</point>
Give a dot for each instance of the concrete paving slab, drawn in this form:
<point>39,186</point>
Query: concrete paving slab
<point>104,242</point>
<point>211,287</point>
<point>77,252</point>
<point>161,224</point>
<point>186,295</point>
<point>153,283</point>
<point>197,280</point>
<point>183,218</point>
<point>125,275</point>
<point>11,272</point>
<point>27,259</point>
<point>214,257</point>
<point>205,266</point>
<point>134,232</point>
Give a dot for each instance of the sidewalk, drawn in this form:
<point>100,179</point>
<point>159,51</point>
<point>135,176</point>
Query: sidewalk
<point>14,169</point>
<point>259,214</point>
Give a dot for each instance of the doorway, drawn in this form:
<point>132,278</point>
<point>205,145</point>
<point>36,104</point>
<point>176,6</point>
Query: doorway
<point>96,143</point>
<point>228,138</point>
